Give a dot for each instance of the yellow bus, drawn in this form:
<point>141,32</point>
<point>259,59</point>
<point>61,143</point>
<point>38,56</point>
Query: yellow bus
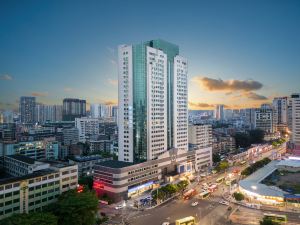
<point>243,162</point>
<point>275,217</point>
<point>190,220</point>
<point>220,180</point>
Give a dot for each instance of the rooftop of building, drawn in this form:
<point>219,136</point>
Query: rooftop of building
<point>57,164</point>
<point>28,176</point>
<point>290,162</point>
<point>86,158</point>
<point>252,182</point>
<point>115,164</point>
<point>22,158</point>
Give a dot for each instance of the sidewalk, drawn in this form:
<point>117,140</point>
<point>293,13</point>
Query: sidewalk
<point>152,207</point>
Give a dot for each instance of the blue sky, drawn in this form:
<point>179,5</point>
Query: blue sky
<point>57,49</point>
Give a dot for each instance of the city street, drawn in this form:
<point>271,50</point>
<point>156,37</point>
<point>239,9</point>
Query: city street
<point>251,216</point>
<point>208,211</point>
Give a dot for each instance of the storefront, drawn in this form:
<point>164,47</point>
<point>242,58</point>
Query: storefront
<point>140,189</point>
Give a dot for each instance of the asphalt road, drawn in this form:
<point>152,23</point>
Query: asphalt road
<point>206,212</point>
<point>252,217</point>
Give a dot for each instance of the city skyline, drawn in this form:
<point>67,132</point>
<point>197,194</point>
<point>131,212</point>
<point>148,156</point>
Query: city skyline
<point>73,53</point>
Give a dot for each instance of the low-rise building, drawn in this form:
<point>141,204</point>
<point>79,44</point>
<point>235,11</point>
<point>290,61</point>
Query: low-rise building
<point>121,180</point>
<point>292,164</point>
<point>86,163</point>
<point>19,165</point>
<point>39,150</point>
<point>100,145</point>
<point>32,192</point>
<point>257,191</point>
<point>223,144</point>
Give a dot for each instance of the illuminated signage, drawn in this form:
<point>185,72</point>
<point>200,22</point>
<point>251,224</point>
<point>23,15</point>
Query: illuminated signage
<point>140,186</point>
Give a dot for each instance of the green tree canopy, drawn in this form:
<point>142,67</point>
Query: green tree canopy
<point>182,185</point>
<point>224,165</point>
<point>216,158</point>
<point>255,166</point>
<point>76,208</point>
<point>244,140</point>
<point>86,181</point>
<point>238,196</point>
<point>35,218</point>
<point>256,136</point>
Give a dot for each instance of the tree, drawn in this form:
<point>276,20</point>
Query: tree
<point>216,158</point>
<point>255,166</point>
<point>256,136</point>
<point>86,181</point>
<point>170,189</point>
<point>245,140</point>
<point>158,194</point>
<point>35,218</point>
<point>238,196</point>
<point>267,221</point>
<point>181,186</point>
<point>76,208</point>
<point>223,165</point>
<point>242,140</point>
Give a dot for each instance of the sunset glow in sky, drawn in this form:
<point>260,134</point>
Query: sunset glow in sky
<point>241,53</point>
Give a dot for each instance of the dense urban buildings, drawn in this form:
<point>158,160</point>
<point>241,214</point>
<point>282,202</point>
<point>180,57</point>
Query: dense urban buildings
<point>219,112</point>
<point>152,114</point>
<point>295,134</point>
<point>265,119</point>
<point>153,124</point>
<point>280,105</point>
<point>87,127</point>
<point>86,163</point>
<point>46,149</point>
<point>70,136</point>
<point>200,135</point>
<point>103,111</point>
<point>73,108</point>
<point>27,109</point>
<point>45,113</point>
<point>122,180</point>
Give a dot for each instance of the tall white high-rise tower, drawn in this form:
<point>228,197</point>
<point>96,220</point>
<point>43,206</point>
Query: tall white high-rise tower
<point>152,113</point>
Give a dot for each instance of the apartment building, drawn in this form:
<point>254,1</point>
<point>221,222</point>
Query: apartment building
<point>32,192</point>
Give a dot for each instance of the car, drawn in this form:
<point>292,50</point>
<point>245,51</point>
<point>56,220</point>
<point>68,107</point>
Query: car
<point>224,202</point>
<point>194,203</point>
<point>165,223</point>
<point>119,207</point>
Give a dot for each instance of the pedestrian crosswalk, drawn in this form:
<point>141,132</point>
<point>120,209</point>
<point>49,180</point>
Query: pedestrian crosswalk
<point>213,198</point>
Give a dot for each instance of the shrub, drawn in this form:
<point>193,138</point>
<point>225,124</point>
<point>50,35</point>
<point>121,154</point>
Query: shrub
<point>238,196</point>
